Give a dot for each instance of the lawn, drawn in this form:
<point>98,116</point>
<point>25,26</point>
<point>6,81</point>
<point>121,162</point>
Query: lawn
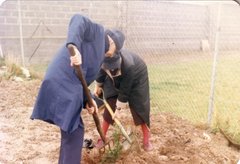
<point>183,88</point>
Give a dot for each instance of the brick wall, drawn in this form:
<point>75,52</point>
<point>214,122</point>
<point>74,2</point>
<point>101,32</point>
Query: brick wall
<point>151,27</point>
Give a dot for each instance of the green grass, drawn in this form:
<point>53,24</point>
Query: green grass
<point>184,89</point>
<point>181,88</point>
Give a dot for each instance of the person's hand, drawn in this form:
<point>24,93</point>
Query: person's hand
<point>92,109</point>
<point>97,90</point>
<point>116,114</point>
<point>121,105</point>
<point>76,59</point>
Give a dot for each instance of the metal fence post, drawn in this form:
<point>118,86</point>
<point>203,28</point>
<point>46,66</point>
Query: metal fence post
<point>20,32</point>
<point>213,78</point>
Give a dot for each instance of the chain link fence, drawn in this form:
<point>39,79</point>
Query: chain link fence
<point>191,49</point>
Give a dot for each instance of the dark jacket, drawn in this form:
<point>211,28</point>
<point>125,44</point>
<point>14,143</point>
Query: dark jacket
<point>132,86</point>
<point>60,97</point>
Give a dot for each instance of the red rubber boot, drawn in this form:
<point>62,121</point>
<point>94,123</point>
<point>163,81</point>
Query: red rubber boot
<point>147,146</point>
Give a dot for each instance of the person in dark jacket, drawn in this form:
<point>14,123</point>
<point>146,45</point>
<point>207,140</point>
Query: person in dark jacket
<point>124,79</point>
<point>61,99</point>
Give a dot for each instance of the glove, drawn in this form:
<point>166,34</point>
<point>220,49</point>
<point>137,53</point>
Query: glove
<point>116,114</point>
<point>121,105</point>
<point>88,143</point>
<point>76,59</point>
<point>97,90</point>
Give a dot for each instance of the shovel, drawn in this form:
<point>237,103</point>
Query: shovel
<point>87,93</point>
<point>118,123</point>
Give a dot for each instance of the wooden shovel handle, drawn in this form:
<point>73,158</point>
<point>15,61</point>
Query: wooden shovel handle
<point>87,93</point>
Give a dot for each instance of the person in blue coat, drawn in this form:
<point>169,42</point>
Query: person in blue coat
<point>61,99</point>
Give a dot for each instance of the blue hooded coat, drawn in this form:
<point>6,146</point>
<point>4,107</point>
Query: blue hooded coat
<point>61,98</point>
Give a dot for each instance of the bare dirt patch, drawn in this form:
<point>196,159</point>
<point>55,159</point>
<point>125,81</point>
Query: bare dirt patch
<point>175,140</point>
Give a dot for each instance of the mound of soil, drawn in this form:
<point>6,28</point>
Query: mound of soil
<point>175,140</point>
